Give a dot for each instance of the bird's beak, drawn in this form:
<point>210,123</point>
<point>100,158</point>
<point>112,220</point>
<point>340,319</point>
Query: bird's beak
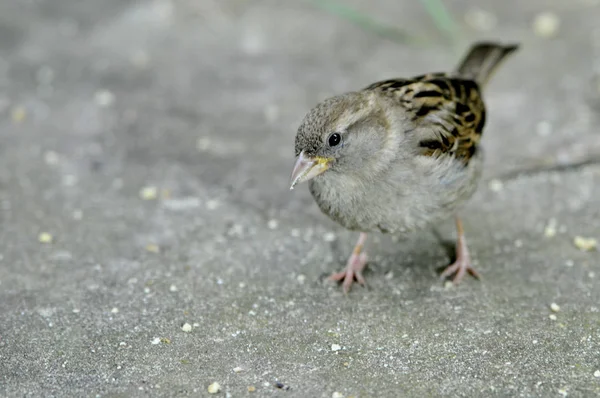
<point>307,168</point>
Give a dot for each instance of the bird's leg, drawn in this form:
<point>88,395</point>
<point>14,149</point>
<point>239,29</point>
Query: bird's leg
<point>354,266</point>
<point>462,264</point>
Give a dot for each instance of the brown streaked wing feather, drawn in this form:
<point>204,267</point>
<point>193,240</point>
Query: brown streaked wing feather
<point>451,106</point>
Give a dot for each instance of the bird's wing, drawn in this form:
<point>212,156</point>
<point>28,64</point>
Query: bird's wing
<point>448,112</point>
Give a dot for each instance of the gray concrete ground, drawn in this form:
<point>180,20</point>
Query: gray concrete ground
<point>102,100</point>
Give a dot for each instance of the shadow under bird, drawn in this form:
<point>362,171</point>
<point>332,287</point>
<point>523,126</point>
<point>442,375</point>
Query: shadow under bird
<point>399,155</point>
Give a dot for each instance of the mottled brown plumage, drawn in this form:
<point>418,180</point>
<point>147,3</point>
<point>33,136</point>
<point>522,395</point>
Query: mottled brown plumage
<point>400,154</point>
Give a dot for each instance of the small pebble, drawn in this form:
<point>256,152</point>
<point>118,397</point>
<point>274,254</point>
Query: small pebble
<point>173,288</point>
<point>585,244</point>
<point>155,341</point>
<point>336,347</point>
<point>273,224</point>
<point>597,373</point>
<point>251,388</point>
<point>45,237</point>
<point>281,386</point>
<point>104,98</point>
<point>552,317</point>
<point>115,310</point>
<point>146,290</point>
<point>546,24</point>
<point>301,279</point>
<point>238,369</point>
<point>186,327</point>
<point>554,307</point>
<point>76,310</point>
<point>591,274</point>
<point>389,276</point>
<point>214,388</point>
<point>337,394</point>
<point>496,185</point>
<point>149,193</point>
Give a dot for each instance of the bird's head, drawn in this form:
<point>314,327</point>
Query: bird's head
<point>342,134</point>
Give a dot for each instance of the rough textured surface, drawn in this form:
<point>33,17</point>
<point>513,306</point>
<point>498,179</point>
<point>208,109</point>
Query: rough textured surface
<point>201,99</point>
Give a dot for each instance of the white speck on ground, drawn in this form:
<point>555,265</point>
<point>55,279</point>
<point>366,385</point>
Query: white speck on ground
<point>569,263</point>
<point>51,158</point>
<point>152,248</point>
<point>238,369</point>
<point>45,237</point>
<point>18,114</point>
<point>115,310</point>
<point>518,243</point>
<point>585,244</point>
<point>329,237</point>
<point>496,185</point>
<point>597,373</point>
<point>186,327</point>
<point>480,20</point>
<point>173,288</point>
<point>213,204</point>
<point>552,317</point>
<point>550,229</point>
<point>273,224</point>
<point>301,278</point>
<point>155,341</point>
<point>337,394</point>
<point>181,204</point>
<point>554,307</point>
<point>77,214</point>
<point>543,128</point>
<point>546,24</point>
<point>214,388</point>
<point>563,392</point>
<point>149,193</point>
<point>336,347</point>
<point>104,98</point>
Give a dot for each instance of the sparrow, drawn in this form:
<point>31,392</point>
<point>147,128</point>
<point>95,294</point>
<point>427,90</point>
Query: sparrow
<point>399,155</point>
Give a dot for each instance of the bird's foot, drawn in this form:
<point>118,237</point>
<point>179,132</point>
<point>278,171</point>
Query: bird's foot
<point>462,265</point>
<point>356,263</point>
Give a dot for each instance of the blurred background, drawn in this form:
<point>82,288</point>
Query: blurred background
<point>145,152</point>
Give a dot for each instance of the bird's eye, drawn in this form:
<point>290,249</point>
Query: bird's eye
<point>335,139</point>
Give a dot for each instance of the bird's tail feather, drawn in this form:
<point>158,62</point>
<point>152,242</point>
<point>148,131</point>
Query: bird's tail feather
<point>482,60</point>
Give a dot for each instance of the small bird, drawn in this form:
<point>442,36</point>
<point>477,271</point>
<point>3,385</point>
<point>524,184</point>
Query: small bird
<point>399,155</point>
